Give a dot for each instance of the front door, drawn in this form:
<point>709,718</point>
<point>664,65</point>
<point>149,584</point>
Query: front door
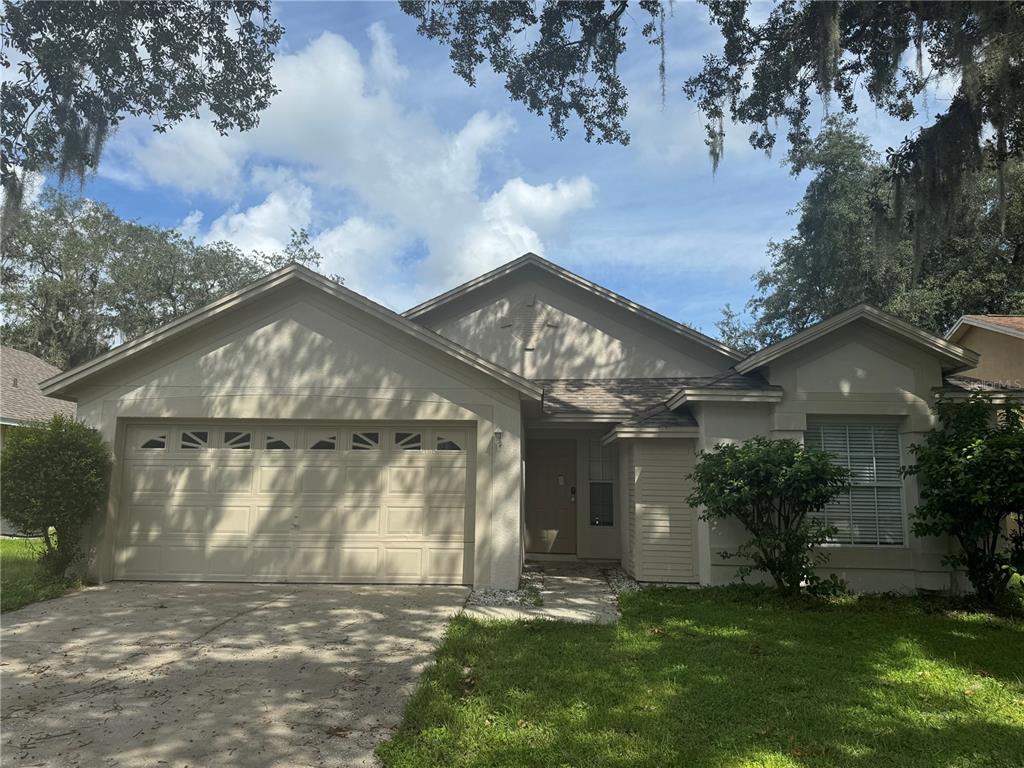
<point>551,496</point>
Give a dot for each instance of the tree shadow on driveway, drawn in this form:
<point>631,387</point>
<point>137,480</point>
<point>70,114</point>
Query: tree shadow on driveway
<point>132,674</point>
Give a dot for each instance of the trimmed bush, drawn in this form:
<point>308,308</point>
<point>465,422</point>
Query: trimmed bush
<point>971,475</point>
<point>775,489</point>
<point>54,477</point>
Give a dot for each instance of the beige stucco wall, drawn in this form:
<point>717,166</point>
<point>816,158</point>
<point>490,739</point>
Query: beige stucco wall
<point>298,353</point>
<point>1002,356</point>
<point>858,372</point>
<point>575,334</point>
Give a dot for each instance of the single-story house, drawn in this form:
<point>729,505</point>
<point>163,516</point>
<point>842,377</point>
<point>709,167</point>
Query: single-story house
<point>21,402</point>
<point>297,431</point>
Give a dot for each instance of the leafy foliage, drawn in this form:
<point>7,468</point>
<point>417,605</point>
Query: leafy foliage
<point>775,489</point>
<point>54,474</point>
<point>84,67</point>
<point>23,579</point>
<point>842,252</point>
<point>971,474</point>
<point>768,72</point>
<point>560,61</point>
<point>77,278</point>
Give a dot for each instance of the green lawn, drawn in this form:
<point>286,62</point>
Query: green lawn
<point>725,677</point>
<point>22,579</point>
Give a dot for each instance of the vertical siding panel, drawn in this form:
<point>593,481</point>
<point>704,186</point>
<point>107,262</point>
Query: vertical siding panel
<point>665,526</point>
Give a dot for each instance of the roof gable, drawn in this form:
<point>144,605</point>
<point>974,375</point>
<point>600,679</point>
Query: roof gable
<point>954,358</point>
<point>423,311</point>
<point>1011,325</point>
<point>62,384</point>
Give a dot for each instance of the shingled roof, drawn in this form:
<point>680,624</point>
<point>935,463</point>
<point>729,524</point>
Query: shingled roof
<point>20,398</point>
<point>1015,322</point>
<point>632,399</point>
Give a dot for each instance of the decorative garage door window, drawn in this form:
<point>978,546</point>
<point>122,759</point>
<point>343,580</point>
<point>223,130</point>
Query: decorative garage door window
<point>238,440</point>
<point>323,441</point>
<point>279,441</point>
<point>194,439</point>
<point>871,512</point>
<point>154,442</point>
<point>408,441</point>
<point>365,441</point>
<point>446,442</point>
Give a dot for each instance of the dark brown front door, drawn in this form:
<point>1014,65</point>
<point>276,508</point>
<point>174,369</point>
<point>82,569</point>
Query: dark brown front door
<point>551,496</point>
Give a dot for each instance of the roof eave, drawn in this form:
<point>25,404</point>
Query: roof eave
<point>955,332</point>
<point>689,395</point>
<point>960,358</point>
<point>585,418</point>
<point>634,433</point>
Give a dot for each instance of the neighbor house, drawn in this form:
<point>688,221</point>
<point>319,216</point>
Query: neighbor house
<point>21,402</point>
<point>297,431</point>
<point>999,340</point>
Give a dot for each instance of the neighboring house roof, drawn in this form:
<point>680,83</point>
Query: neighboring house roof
<point>62,383</point>
<point>533,260</point>
<point>962,387</point>
<point>630,399</point>
<point>955,358</point>
<point>20,398</point>
<point>1011,325</point>
<point>974,384</point>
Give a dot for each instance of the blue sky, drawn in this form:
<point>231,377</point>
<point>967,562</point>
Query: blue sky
<point>411,182</point>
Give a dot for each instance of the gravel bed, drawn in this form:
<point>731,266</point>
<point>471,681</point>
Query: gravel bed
<point>620,581</point>
<point>530,584</point>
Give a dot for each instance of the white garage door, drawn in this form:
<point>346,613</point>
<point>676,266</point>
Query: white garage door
<point>296,502</point>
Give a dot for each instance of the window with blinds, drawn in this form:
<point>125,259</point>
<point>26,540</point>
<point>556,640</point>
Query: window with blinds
<point>871,512</point>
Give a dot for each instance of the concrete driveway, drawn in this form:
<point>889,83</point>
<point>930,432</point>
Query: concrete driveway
<point>147,674</point>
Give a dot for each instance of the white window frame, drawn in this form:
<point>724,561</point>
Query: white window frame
<point>898,484</point>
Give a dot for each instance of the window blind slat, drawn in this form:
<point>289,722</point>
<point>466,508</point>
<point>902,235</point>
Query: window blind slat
<point>871,512</point>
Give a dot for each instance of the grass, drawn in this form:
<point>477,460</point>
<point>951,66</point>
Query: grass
<point>22,579</point>
<point>725,677</point>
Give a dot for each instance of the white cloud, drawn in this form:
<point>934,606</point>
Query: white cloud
<point>362,252</point>
<point>189,226</point>
<point>539,207</point>
<point>268,225</point>
<point>335,129</point>
<point>516,219</point>
<point>384,58</point>
<point>194,158</point>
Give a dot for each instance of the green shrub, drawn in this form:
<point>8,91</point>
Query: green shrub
<point>775,488</point>
<point>971,475</point>
<point>54,477</point>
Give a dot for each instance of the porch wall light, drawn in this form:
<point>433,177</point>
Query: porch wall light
<point>498,434</point>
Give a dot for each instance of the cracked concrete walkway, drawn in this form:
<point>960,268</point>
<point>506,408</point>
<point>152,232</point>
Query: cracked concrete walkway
<point>145,674</point>
<point>569,591</point>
